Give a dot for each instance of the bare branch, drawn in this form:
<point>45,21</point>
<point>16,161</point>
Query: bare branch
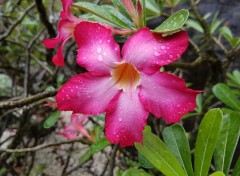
<point>43,146</point>
<point>25,101</point>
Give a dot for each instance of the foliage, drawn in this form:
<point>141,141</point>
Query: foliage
<point>206,140</point>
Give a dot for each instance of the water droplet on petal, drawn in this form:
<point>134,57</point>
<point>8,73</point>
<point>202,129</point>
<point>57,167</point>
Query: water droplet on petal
<point>120,119</point>
<point>100,41</point>
<point>104,53</point>
<point>100,57</point>
<point>156,53</point>
<point>154,47</point>
<point>108,41</point>
<point>170,56</point>
<point>99,50</point>
<point>163,47</point>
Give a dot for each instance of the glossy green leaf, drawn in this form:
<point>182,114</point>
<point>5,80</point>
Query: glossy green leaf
<point>219,173</point>
<point>121,8</point>
<point>135,172</point>
<point>225,94</point>
<point>143,161</point>
<point>96,147</point>
<point>206,141</point>
<point>51,120</point>
<point>195,25</point>
<point>236,170</point>
<point>107,13</point>
<point>174,22</point>
<point>176,140</point>
<point>159,155</point>
<point>227,142</point>
<point>152,8</point>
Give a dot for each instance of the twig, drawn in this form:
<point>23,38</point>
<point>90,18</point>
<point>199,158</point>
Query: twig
<point>25,101</point>
<point>112,160</point>
<point>43,146</point>
<point>193,64</point>
<point>68,159</point>
<point>12,27</point>
<point>44,18</point>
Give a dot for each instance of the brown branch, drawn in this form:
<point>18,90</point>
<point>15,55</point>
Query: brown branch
<point>44,18</point>
<point>200,19</point>
<point>43,146</point>
<point>112,159</point>
<point>25,101</point>
<point>19,20</point>
<point>194,64</point>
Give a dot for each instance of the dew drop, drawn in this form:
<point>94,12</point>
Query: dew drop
<point>156,53</point>
<point>170,56</point>
<point>108,41</point>
<point>120,119</point>
<point>100,41</point>
<point>99,50</point>
<point>163,47</point>
<point>100,57</point>
<point>154,47</point>
<point>104,53</point>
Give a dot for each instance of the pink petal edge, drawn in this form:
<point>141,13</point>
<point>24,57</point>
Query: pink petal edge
<point>125,119</point>
<point>167,96</point>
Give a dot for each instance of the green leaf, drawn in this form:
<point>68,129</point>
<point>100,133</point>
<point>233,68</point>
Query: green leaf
<point>159,155</point>
<point>99,145</point>
<point>135,172</point>
<point>152,8</point>
<point>122,9</point>
<point>227,142</point>
<point>199,102</point>
<point>226,32</point>
<point>144,162</point>
<point>236,170</point>
<point>107,13</point>
<point>225,94</point>
<point>206,140</point>
<point>195,25</point>
<point>176,140</point>
<point>51,120</point>
<point>217,174</point>
<point>173,23</point>
<point>96,147</point>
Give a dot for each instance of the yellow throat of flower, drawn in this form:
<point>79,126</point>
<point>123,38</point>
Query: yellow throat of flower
<point>126,76</point>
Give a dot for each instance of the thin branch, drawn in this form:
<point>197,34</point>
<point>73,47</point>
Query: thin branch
<point>19,20</point>
<point>43,146</point>
<point>44,18</point>
<point>26,101</point>
<point>112,160</point>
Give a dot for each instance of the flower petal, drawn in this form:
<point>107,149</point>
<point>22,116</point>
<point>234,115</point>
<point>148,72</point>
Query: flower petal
<point>86,94</point>
<point>77,122</point>
<point>97,50</point>
<point>149,51</point>
<point>166,96</point>
<point>58,59</point>
<point>125,119</point>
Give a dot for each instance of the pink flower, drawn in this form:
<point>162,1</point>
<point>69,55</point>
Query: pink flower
<point>66,27</point>
<point>127,88</point>
<point>75,127</point>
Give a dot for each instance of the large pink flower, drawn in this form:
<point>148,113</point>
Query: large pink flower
<point>127,88</point>
<point>66,27</point>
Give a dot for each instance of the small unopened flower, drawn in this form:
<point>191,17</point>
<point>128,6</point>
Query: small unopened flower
<point>76,127</point>
<point>128,86</point>
<point>66,27</point>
